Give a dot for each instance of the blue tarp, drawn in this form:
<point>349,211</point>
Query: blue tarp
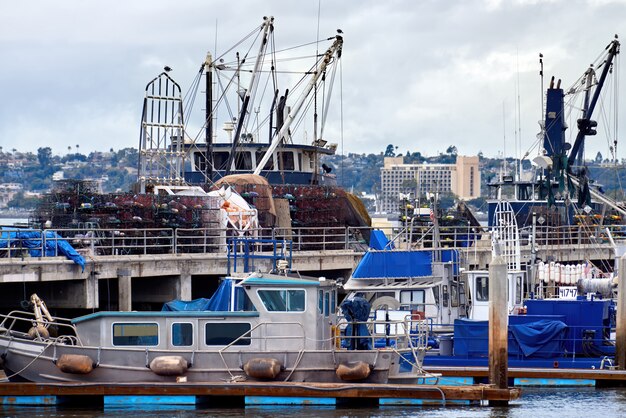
<point>538,339</point>
<point>544,338</point>
<point>31,240</point>
<point>220,301</point>
<point>358,310</point>
<point>400,264</point>
<point>379,241</point>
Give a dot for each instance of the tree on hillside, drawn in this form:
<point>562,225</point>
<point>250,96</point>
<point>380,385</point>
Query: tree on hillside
<point>44,156</point>
<point>390,151</point>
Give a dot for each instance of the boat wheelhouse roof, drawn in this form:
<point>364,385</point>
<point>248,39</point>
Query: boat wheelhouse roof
<point>164,314</point>
<point>278,281</point>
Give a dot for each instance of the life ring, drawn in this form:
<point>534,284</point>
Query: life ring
<point>385,303</point>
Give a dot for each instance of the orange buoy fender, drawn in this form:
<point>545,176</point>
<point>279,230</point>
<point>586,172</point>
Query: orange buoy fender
<point>263,368</point>
<point>357,370</point>
<point>169,365</point>
<point>75,363</point>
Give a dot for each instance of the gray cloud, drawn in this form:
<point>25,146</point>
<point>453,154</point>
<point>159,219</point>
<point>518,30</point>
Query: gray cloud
<point>421,75</point>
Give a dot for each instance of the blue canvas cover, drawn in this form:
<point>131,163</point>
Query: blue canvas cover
<point>358,310</point>
<point>543,338</point>
<point>538,339</point>
<point>31,240</point>
<point>401,264</point>
<point>471,338</point>
<point>379,241</point>
<point>220,301</point>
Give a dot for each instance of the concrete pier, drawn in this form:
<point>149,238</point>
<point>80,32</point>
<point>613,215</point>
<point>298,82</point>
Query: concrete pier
<point>128,282</point>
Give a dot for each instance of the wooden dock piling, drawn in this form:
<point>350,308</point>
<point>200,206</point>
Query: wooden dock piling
<point>498,326</point>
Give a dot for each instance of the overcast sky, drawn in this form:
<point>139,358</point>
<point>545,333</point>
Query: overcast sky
<point>421,75</point>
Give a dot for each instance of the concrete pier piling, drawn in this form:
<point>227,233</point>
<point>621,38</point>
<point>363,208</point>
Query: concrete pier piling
<point>498,326</point>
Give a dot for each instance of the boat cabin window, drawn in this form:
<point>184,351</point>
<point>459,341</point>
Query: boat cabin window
<point>454,295</point>
<point>199,161</point>
<point>326,303</point>
<point>136,333</point>
<point>482,289</point>
<point>333,301</point>
<point>412,300</point>
<point>444,295</point>
<point>320,300</point>
<point>518,289</point>
<point>182,334</point>
<point>269,165</point>
<point>286,161</point>
<point>283,300</point>
<point>225,333</point>
<point>242,301</point>
<point>524,191</point>
<point>243,160</point>
<point>220,158</point>
<point>436,294</point>
<point>507,191</point>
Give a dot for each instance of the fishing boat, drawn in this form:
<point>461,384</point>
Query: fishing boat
<point>273,104</point>
<point>558,191</point>
<point>257,327</point>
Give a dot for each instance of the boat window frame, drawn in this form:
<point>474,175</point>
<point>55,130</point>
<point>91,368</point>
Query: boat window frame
<point>172,334</point>
<point>484,294</point>
<point>265,306</point>
<point>413,304</point>
<point>158,334</point>
<point>245,341</point>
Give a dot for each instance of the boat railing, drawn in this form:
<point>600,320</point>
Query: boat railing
<point>144,241</point>
<point>26,325</point>
<point>95,241</point>
<point>405,331</point>
<point>265,335</point>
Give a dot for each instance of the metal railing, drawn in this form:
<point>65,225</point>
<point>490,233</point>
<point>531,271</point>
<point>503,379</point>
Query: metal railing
<point>102,242</point>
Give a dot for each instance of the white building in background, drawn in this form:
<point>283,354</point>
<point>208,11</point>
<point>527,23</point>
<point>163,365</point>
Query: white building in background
<point>461,179</point>
<point>7,192</point>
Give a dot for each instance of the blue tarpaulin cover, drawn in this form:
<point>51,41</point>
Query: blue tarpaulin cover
<point>542,338</point>
<point>400,264</point>
<point>31,240</point>
<point>220,301</point>
<point>357,309</point>
<point>379,241</point>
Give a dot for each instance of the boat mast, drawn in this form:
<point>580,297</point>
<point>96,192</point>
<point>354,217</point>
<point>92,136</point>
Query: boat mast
<point>208,154</point>
<point>335,49</point>
<point>266,27</point>
<point>585,124</point>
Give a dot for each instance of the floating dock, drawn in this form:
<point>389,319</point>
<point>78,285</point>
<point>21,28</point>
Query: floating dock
<point>537,376</point>
<point>248,393</point>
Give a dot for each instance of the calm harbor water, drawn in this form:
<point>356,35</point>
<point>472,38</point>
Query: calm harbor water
<point>535,403</point>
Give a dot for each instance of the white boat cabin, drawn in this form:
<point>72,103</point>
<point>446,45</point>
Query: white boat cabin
<point>478,292</point>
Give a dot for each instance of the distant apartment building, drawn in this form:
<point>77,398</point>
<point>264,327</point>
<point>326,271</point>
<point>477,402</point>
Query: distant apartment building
<point>7,192</point>
<point>461,179</point>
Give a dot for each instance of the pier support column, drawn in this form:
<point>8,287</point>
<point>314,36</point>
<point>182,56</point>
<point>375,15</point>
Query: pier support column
<point>620,329</point>
<point>183,287</point>
<point>124,281</point>
<point>498,326</point>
